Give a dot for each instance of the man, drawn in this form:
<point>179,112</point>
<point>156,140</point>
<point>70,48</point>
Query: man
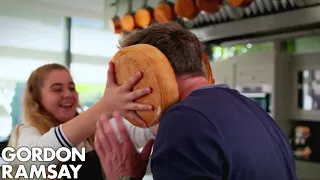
<point>212,133</point>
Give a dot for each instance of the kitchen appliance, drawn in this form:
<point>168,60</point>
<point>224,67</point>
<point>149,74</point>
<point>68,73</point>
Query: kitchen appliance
<point>260,93</point>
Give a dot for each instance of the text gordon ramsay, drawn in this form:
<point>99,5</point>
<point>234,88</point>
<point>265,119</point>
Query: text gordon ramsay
<point>44,163</point>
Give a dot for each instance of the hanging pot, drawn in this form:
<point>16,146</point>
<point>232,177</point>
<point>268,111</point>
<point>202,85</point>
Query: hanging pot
<point>209,6</point>
<point>114,23</point>
<point>143,17</point>
<point>164,12</point>
<point>127,21</point>
<point>186,9</point>
<point>240,3</point>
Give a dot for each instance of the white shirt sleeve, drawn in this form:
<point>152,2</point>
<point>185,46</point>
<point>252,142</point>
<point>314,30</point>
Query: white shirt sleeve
<point>139,136</point>
<point>29,137</point>
<point>55,138</point>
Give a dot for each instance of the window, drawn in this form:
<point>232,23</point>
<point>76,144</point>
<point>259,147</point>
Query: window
<point>30,34</point>
<point>90,82</point>
<point>309,89</point>
<point>93,42</point>
<point>223,53</point>
<point>12,83</point>
<point>87,23</point>
<point>304,44</point>
<point>27,41</point>
<point>92,48</point>
<point>6,95</point>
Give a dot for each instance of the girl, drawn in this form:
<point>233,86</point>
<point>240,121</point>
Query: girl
<point>51,118</point>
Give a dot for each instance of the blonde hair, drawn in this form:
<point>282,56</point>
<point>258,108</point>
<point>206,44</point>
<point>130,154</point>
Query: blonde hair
<point>33,112</point>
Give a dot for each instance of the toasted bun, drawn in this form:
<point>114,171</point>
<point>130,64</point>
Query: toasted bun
<point>157,74</point>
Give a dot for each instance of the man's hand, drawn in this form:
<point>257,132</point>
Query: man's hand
<point>119,158</point>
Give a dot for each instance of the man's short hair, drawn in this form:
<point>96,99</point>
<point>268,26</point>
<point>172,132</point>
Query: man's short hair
<point>182,48</point>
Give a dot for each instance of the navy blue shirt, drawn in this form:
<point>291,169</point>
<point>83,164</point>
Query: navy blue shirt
<point>217,133</point>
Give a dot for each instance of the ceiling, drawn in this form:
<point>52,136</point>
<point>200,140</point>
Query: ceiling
<point>226,13</point>
<point>76,8</point>
<point>227,17</point>
<point>261,19</point>
<point>257,8</point>
<point>102,9</point>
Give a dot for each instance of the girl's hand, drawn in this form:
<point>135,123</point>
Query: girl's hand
<point>120,98</point>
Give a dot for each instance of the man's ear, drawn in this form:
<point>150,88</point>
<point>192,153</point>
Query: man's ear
<point>213,81</point>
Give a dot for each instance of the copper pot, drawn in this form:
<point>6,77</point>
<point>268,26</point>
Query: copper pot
<point>240,3</point>
<point>127,21</point>
<point>186,9</point>
<point>164,12</point>
<point>143,16</point>
<point>209,6</point>
<point>114,23</point>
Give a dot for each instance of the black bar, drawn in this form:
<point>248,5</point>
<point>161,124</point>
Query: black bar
<point>67,41</point>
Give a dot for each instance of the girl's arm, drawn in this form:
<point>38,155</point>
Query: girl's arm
<point>115,97</point>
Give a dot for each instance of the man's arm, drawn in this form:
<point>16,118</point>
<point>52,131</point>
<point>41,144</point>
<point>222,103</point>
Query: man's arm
<point>186,147</point>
